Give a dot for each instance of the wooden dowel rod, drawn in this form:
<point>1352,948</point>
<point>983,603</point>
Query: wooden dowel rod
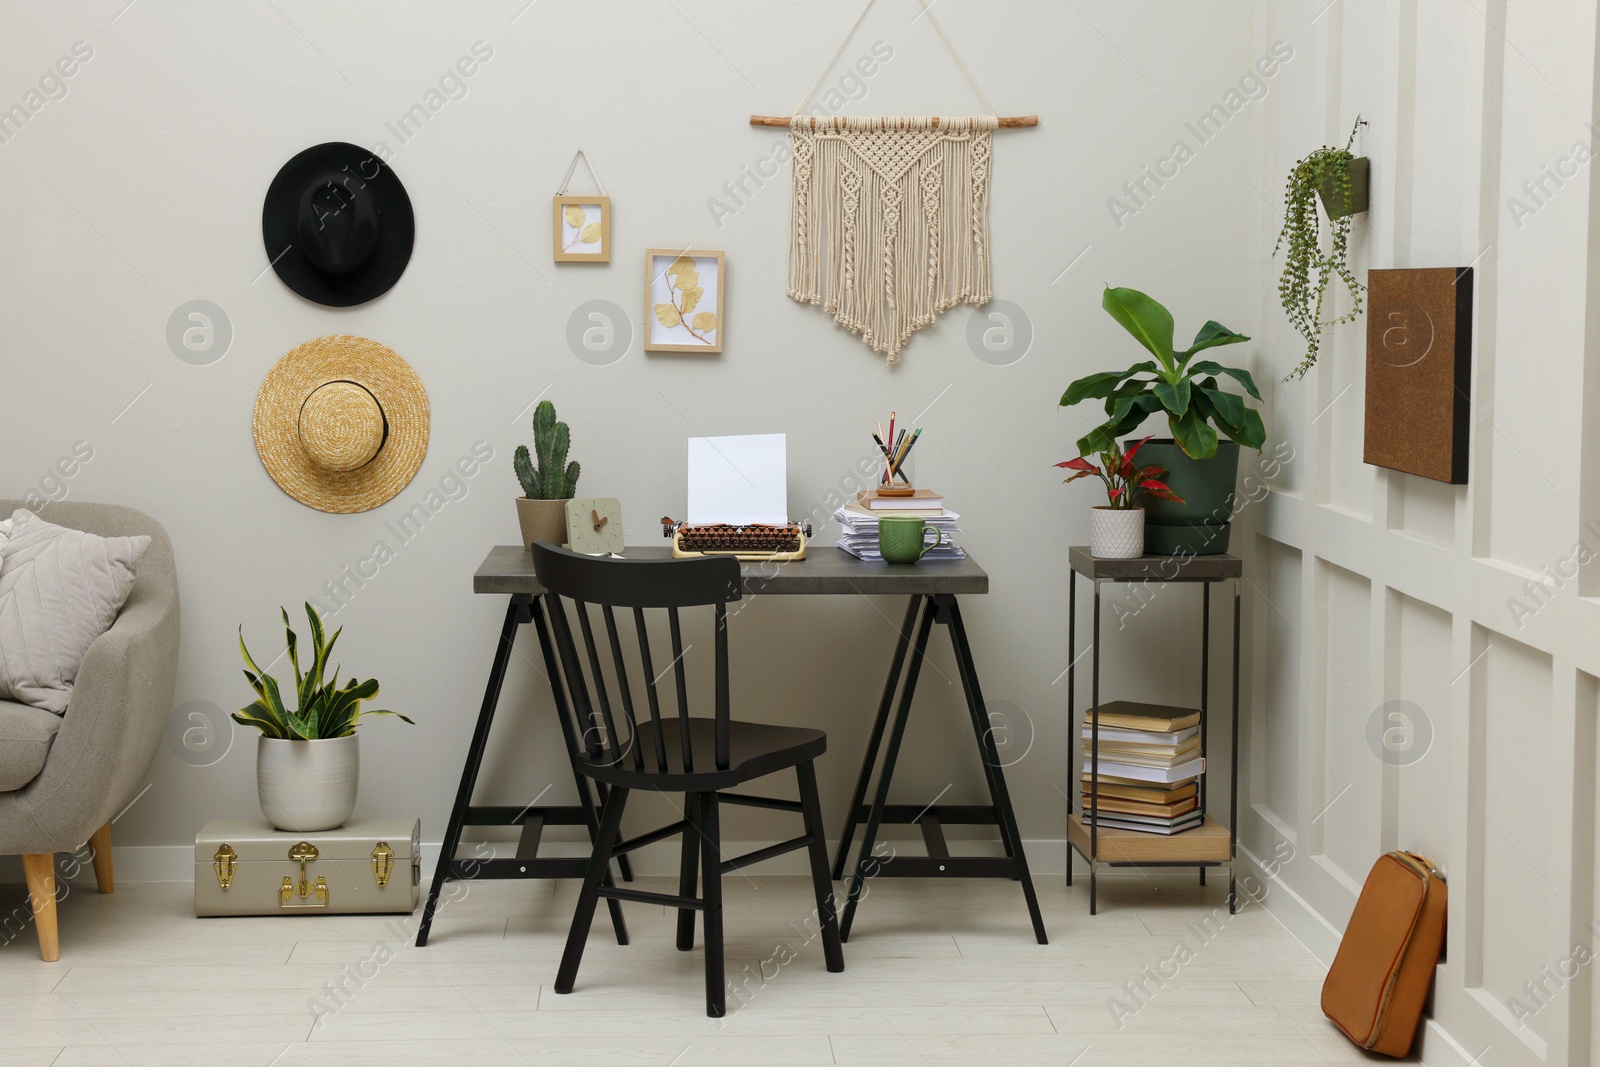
<point>1007,122</point>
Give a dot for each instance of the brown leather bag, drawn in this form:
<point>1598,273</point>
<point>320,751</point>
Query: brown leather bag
<point>1379,980</point>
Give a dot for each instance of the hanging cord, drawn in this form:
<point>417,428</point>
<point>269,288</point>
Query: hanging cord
<point>573,166</point>
<point>837,52</point>
<point>927,9</point>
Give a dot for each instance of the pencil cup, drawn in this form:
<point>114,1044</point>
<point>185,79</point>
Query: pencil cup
<point>900,538</point>
<point>901,484</point>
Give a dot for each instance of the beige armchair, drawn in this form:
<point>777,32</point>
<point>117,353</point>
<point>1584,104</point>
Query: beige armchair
<point>63,777</point>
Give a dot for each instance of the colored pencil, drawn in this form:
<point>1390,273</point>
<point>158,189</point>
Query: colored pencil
<point>906,450</point>
<point>888,460</point>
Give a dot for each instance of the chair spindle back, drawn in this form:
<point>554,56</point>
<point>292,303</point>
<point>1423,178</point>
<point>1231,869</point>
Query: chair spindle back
<point>590,582</point>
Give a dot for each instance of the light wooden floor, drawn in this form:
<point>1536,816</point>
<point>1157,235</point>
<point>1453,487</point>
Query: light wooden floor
<point>935,973</point>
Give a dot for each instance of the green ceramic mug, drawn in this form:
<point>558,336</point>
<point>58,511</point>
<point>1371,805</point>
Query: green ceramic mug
<point>900,538</point>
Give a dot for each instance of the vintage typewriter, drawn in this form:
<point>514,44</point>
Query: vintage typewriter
<point>754,542</point>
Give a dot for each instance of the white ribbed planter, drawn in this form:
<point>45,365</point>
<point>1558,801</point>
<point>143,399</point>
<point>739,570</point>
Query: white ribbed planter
<point>1116,533</point>
<point>306,786</point>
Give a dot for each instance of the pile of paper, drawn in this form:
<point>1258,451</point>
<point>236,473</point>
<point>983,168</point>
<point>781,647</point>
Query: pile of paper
<point>859,535</point>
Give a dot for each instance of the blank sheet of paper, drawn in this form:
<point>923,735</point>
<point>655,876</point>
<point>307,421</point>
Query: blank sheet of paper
<point>739,480</point>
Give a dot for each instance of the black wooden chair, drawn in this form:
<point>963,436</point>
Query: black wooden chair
<point>698,757</point>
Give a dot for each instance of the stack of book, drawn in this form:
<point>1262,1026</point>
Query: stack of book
<point>1149,768</point>
<point>858,522</point>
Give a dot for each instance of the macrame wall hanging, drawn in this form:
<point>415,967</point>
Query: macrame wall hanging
<point>889,222</point>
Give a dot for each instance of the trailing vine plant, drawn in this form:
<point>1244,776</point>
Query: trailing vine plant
<point>1327,170</point>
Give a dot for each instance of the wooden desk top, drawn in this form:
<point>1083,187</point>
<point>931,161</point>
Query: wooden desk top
<point>825,571</point>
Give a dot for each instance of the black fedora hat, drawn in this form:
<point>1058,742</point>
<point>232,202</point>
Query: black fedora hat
<point>338,225</point>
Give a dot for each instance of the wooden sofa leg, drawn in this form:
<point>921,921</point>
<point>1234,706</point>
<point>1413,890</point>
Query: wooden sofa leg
<point>100,846</point>
<point>41,874</point>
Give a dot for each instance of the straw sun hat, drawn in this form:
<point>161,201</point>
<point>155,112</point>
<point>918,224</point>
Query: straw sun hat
<point>341,423</point>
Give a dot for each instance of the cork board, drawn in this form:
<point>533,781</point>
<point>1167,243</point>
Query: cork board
<point>1419,371</point>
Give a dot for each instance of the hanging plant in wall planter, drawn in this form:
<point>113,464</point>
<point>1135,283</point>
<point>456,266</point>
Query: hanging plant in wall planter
<point>1341,180</point>
<point>1208,424</point>
<point>308,760</point>
<point>542,509</point>
<point>1116,528</point>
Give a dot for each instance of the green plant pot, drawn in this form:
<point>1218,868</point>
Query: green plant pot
<point>1360,170</point>
<point>1207,489</point>
<point>1186,539</point>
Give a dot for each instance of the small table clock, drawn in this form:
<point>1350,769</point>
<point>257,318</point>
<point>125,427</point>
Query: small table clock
<point>594,525</point>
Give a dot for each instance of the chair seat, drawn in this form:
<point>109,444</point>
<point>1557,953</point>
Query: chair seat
<point>756,749</point>
<point>25,737</point>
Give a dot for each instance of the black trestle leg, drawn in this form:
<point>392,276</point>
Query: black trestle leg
<point>1001,796</point>
<point>827,914</point>
<point>686,870</point>
<point>711,875</point>
<point>870,758</point>
<point>892,754</point>
<point>589,896</point>
<point>469,772</point>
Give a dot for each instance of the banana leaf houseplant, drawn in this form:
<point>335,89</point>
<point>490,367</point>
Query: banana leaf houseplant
<point>546,488</point>
<point>1116,528</point>
<point>308,760</point>
<point>1207,422</point>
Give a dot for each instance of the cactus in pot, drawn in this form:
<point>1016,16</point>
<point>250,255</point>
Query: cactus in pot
<point>554,478</point>
<point>542,509</point>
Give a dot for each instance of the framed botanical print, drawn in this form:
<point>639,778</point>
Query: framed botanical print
<point>581,229</point>
<point>683,306</point>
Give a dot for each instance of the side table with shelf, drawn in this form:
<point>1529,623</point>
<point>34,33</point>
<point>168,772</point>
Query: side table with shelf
<point>1210,844</point>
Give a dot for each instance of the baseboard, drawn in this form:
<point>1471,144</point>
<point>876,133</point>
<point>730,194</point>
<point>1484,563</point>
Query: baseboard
<point>1293,912</point>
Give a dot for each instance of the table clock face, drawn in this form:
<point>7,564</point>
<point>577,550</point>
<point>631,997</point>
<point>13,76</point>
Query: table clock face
<point>594,525</point>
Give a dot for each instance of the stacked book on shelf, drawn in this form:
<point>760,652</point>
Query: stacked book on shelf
<point>1149,768</point>
<point>859,522</point>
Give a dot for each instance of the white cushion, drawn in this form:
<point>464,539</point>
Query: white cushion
<point>59,590</point>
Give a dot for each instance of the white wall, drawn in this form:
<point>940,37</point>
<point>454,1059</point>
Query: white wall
<point>1370,586</point>
<point>141,188</point>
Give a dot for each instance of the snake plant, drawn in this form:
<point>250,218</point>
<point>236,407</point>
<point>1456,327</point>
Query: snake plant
<point>325,710</point>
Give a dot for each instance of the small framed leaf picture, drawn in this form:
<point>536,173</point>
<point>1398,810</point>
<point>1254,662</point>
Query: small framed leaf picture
<point>582,229</point>
<point>683,300</point>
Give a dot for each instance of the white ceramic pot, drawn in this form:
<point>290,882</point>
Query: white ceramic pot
<point>306,786</point>
<point>1116,533</point>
